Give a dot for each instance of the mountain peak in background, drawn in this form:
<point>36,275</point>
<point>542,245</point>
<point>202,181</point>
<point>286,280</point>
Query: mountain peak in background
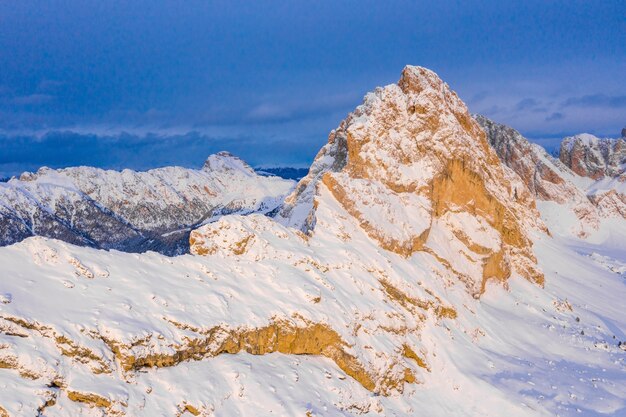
<point>593,157</point>
<point>225,161</point>
<point>130,210</point>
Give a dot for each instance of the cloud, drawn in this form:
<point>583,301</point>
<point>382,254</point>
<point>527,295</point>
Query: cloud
<point>596,100</point>
<point>306,108</point>
<point>31,100</point>
<point>478,97</point>
<point>492,110</point>
<point>268,112</point>
<point>555,116</point>
<point>526,104</point>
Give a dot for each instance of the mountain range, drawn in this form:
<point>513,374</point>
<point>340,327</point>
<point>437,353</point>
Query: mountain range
<point>430,263</point>
<point>133,211</point>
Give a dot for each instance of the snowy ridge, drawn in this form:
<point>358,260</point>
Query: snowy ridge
<point>151,305</point>
<point>132,211</point>
<point>406,159</point>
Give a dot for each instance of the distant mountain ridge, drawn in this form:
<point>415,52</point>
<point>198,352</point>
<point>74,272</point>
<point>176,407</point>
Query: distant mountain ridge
<point>593,157</point>
<point>129,210</point>
<point>289,173</point>
<point>587,179</point>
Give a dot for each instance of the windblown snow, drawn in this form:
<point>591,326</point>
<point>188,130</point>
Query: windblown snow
<point>422,267</point>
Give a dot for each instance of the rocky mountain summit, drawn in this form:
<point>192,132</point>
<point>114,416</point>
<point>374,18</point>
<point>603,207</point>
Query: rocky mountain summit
<point>590,156</point>
<point>543,175</point>
<point>414,169</point>
<point>416,270</point>
<point>132,211</point>
<point>552,180</point>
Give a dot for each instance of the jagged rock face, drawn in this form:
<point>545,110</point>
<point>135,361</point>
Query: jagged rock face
<point>540,172</point>
<point>410,154</point>
<point>590,156</point>
<point>404,216</point>
<point>411,173</point>
<point>550,180</point>
<point>132,211</point>
<point>297,209</point>
<point>547,178</point>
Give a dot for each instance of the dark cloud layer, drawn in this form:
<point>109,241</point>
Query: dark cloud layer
<point>597,100</point>
<point>140,152</point>
<point>555,116</point>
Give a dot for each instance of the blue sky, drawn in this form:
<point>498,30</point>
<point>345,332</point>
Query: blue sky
<point>141,84</point>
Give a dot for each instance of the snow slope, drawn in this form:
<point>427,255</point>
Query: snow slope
<point>394,281</point>
<point>518,350</point>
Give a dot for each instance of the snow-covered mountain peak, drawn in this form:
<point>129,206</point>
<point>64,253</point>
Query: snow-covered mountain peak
<point>32,176</point>
<point>414,169</point>
<point>416,79</point>
<point>225,161</point>
<point>576,204</point>
<point>132,210</point>
<point>593,157</point>
<point>361,300</point>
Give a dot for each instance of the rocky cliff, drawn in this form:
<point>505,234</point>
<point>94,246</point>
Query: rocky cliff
<point>408,164</point>
<point>593,157</point>
<point>409,273</point>
<point>407,180</point>
<point>552,180</point>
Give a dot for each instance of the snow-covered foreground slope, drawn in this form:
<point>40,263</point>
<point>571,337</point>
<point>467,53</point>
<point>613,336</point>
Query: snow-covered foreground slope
<point>410,273</point>
<point>93,333</point>
<point>132,211</point>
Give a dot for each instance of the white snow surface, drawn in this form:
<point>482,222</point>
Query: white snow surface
<point>518,351</point>
<point>224,180</point>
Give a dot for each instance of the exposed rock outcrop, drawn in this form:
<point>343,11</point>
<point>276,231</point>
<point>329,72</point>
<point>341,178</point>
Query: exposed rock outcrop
<point>544,176</point>
<point>358,296</point>
<point>593,157</point>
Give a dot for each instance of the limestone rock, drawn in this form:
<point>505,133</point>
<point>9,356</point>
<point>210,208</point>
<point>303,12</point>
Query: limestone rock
<point>551,180</point>
<point>407,156</point>
<point>593,157</point>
